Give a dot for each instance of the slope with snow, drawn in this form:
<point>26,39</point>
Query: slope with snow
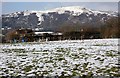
<point>74,10</point>
<point>71,58</point>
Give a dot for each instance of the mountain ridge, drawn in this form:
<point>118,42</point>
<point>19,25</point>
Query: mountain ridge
<point>50,18</point>
<point>75,9</point>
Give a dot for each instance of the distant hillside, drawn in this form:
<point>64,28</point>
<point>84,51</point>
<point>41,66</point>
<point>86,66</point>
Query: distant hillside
<point>56,18</point>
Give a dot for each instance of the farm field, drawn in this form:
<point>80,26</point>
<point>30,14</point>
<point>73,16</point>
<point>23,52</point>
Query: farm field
<point>96,57</point>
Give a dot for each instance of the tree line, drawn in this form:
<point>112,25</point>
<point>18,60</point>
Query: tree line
<point>109,29</point>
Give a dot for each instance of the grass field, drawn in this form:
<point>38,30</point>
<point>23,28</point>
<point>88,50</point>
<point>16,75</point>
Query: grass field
<point>97,57</point>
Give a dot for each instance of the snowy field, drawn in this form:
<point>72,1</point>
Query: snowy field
<point>69,58</point>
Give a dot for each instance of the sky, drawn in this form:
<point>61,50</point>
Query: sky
<point>60,0</point>
<point>10,7</point>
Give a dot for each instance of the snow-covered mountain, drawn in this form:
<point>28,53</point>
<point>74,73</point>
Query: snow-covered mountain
<point>54,18</point>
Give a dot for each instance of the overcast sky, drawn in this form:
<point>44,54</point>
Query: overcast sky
<point>59,0</point>
<point>9,7</point>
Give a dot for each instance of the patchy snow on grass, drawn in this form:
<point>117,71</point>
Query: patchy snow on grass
<point>69,58</point>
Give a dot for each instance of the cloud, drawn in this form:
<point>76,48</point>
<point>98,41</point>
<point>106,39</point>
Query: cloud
<point>0,8</point>
<point>60,1</point>
<point>108,8</point>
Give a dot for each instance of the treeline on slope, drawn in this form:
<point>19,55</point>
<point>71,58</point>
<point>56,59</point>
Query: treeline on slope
<point>109,29</point>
